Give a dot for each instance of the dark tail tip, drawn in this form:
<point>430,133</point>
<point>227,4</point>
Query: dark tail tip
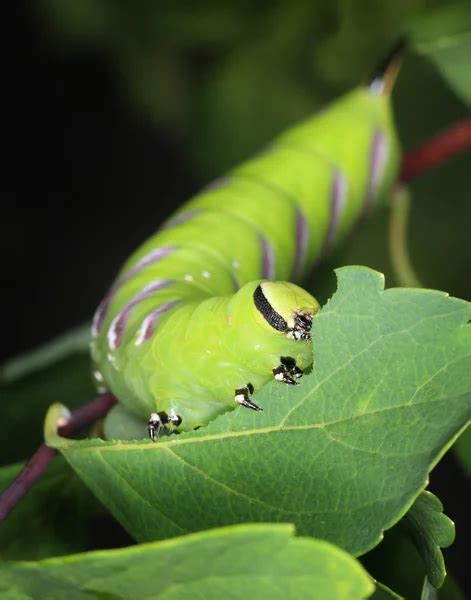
<point>384,76</point>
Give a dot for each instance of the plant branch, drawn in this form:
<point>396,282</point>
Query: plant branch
<point>436,151</point>
<point>41,459</point>
<point>431,154</point>
<point>398,223</point>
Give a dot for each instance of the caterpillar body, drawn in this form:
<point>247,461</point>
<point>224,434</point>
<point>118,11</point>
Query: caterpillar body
<point>204,312</point>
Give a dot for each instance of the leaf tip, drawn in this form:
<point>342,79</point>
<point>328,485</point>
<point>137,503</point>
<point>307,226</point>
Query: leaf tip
<point>357,276</point>
<point>57,416</point>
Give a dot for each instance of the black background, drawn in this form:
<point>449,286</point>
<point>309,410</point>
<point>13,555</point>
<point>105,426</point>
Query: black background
<point>86,182</point>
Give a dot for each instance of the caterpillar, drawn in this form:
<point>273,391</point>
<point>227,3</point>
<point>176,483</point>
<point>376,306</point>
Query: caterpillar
<point>208,309</point>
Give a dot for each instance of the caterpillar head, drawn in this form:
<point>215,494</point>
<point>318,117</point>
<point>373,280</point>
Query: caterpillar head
<point>286,307</point>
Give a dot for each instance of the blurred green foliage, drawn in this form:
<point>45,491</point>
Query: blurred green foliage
<point>224,77</point>
<point>397,563</point>
<point>66,524</point>
<point>228,75</point>
<point>444,36</point>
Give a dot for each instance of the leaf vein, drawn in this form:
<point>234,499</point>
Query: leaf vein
<point>136,493</point>
<point>226,487</point>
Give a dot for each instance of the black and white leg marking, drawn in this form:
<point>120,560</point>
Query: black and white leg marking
<point>292,367</point>
<point>158,420</point>
<point>242,396</point>
<point>155,424</point>
<point>287,371</point>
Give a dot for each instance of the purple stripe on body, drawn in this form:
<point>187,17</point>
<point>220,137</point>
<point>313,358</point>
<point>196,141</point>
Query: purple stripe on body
<point>216,184</point>
<point>378,157</point>
<point>268,258</point>
<point>116,330</point>
<point>152,257</point>
<point>100,314</point>
<point>338,196</point>
<point>182,217</point>
<point>147,327</point>
<point>149,259</point>
<point>302,238</point>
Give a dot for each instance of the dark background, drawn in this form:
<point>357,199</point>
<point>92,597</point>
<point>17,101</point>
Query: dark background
<point>86,181</point>
<point>88,176</point>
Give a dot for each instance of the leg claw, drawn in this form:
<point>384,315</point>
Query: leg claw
<point>287,371</point>
<point>157,422</point>
<point>242,397</point>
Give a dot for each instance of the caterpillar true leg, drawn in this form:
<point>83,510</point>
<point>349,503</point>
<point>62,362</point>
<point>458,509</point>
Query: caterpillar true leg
<point>157,422</point>
<point>242,396</point>
<point>287,371</point>
<point>174,419</point>
<point>290,364</point>
<point>281,374</point>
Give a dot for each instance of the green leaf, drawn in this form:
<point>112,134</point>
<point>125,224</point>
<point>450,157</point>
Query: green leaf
<point>343,455</point>
<point>430,530</point>
<point>247,83</point>
<point>382,592</point>
<point>397,563</point>
<point>443,35</point>
<point>247,561</point>
<point>429,592</point>
<point>54,518</point>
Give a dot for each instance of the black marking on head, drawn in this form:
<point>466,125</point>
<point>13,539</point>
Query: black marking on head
<point>270,315</point>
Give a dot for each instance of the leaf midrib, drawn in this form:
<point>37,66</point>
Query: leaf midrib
<point>148,445</point>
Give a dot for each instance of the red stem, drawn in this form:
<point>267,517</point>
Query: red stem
<point>437,150</point>
<point>41,459</point>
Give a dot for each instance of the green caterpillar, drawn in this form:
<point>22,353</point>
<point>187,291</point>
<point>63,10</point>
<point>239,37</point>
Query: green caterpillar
<point>202,314</point>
